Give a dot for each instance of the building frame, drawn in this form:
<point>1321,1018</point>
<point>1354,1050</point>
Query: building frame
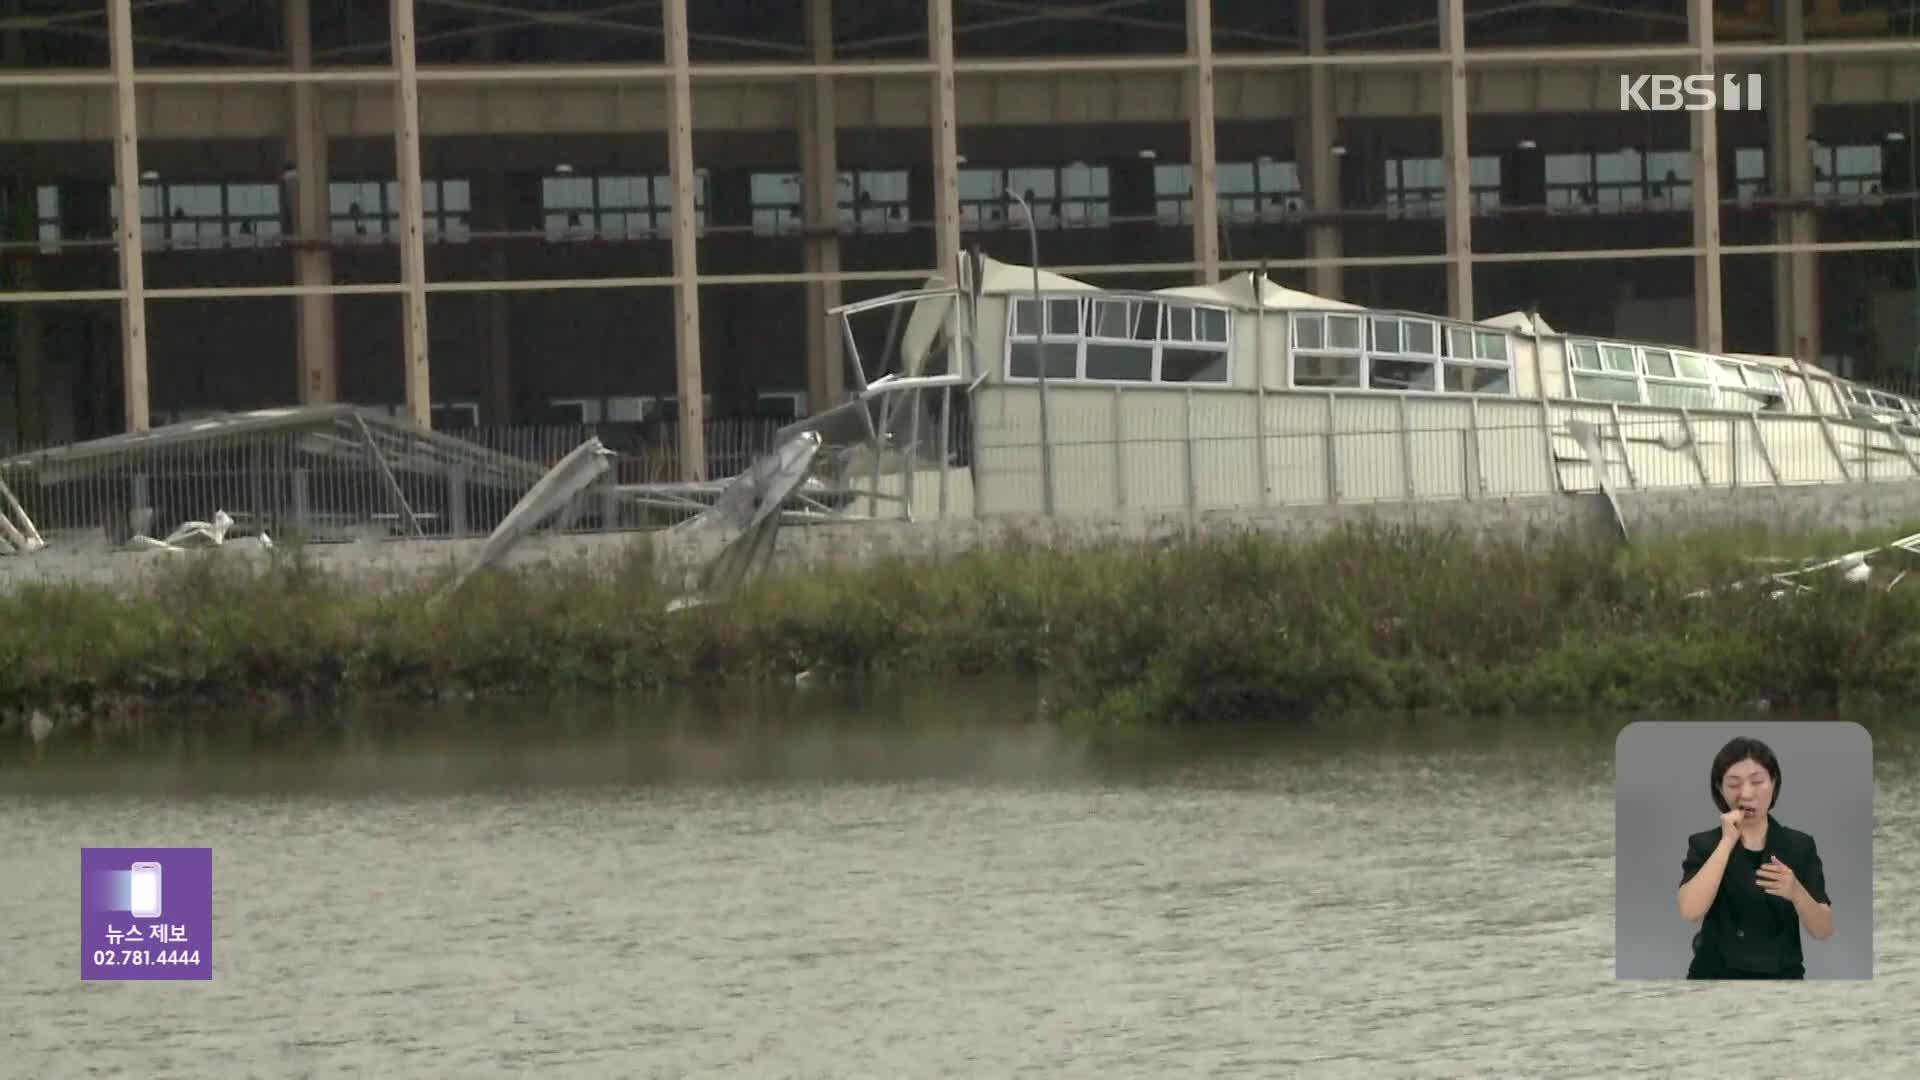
<point>1452,80</point>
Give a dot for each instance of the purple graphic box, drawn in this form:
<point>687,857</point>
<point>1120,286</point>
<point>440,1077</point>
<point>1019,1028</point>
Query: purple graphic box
<point>146,913</point>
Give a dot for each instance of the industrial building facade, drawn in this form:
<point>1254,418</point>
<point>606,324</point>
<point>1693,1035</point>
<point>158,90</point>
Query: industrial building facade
<point>511,212</point>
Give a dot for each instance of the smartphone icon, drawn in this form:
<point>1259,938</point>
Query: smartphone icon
<point>146,890</point>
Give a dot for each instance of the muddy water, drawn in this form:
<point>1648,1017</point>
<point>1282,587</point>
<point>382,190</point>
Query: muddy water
<point>567,895</point>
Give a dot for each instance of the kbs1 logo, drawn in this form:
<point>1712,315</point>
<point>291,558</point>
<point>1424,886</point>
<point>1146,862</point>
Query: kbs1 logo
<point>1692,93</point>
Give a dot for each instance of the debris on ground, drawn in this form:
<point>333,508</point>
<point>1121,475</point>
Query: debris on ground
<point>1853,569</point>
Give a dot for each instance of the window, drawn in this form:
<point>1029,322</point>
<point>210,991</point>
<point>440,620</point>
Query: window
<point>196,215</point>
<point>1251,191</point>
<point>983,205</point>
<point>616,207</point>
<point>1062,344</point>
<point>1847,171</point>
<point>1084,198</point>
<point>570,411</point>
<point>47,200</point>
<point>1668,177</point>
<point>1248,191</point>
<point>370,209</point>
<point>153,214</point>
<point>1570,180</point>
<point>1416,186</point>
<point>666,410</point>
<point>356,209</point>
<point>617,409</point>
<point>1598,376</point>
<point>621,409</point>
<point>1477,362</point>
<point>781,405</point>
<point>1194,345</point>
<point>445,208</point>
<point>1120,339</point>
<point>1398,353</point>
<point>1326,350</point>
<point>1677,379</point>
<point>1483,178</point>
<point>445,415</point>
<point>1865,403</point>
<point>38,219</point>
<point>1620,180</point>
<point>869,201</point>
<point>874,201</point>
<point>779,203</point>
<point>1405,355</point>
<point>1068,196</point>
<point>456,416</point>
<point>1762,384</point>
<point>253,212</point>
<point>1749,172</point>
<point>1635,374</point>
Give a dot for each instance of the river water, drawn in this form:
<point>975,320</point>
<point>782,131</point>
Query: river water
<point>573,895</point>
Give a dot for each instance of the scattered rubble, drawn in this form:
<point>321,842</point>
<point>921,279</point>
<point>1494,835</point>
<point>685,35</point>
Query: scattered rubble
<point>1853,569</point>
<point>17,534</point>
<point>569,477</point>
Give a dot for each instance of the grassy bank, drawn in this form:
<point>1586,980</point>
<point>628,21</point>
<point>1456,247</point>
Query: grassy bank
<point>1240,629</point>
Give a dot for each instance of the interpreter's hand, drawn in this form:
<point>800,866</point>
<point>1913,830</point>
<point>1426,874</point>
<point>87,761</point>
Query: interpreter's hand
<point>1776,879</point>
<point>1730,824</point>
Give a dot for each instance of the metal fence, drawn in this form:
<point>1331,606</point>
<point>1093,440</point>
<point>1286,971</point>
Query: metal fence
<point>1173,450</point>
<point>1111,451</point>
<point>287,484</point>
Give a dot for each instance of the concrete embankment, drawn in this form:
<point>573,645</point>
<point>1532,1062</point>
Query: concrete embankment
<point>679,555</point>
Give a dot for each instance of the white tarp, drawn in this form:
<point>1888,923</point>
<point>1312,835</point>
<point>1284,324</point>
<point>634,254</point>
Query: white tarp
<point>1519,322</point>
<point>1237,292</point>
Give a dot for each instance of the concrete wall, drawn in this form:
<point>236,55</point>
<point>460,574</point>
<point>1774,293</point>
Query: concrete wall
<point>679,556</point>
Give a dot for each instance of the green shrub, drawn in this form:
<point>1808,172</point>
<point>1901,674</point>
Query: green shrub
<point>1236,629</point>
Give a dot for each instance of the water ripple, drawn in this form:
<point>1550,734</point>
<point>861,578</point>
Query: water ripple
<point>1279,919</point>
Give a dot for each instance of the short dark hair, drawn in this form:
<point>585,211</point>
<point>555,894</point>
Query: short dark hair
<point>1736,751</point>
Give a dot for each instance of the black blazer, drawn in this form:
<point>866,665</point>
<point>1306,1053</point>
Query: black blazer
<point>1746,931</point>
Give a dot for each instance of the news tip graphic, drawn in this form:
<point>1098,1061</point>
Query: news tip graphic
<point>146,913</point>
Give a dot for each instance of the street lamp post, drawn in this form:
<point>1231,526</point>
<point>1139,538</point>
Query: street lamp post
<point>1040,355</point>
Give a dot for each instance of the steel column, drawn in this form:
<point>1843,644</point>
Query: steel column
<point>29,349</point>
<point>1205,188</point>
<point>126,175</point>
<point>312,258</point>
<point>1317,158</point>
<point>1707,312</point>
<point>413,252</point>
<point>686,263</point>
<point>946,139</point>
<point>820,179</point>
<point>1796,274</point>
<point>1457,152</point>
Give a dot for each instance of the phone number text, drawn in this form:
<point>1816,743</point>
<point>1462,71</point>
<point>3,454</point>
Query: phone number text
<point>145,957</point>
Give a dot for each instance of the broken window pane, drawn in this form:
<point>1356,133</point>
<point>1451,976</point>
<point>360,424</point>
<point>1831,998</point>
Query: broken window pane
<point>1193,366</point>
<point>1384,373</point>
<point>1127,363</point>
<point>1063,360</point>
